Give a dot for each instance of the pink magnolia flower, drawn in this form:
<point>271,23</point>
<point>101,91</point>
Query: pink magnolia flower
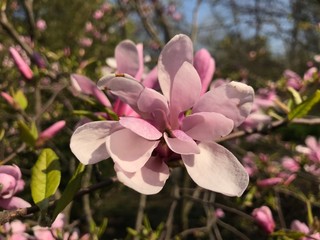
<point>303,228</point>
<point>10,184</point>
<point>177,124</point>
<point>21,64</point>
<point>86,86</point>
<point>263,216</point>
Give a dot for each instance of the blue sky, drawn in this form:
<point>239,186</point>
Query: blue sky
<point>206,18</point>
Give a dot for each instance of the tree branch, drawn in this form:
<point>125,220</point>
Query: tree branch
<point>8,215</point>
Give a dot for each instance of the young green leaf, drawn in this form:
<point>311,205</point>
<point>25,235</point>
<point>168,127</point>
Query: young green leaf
<point>305,107</point>
<point>28,135</point>
<point>20,99</point>
<point>45,178</point>
<point>69,192</point>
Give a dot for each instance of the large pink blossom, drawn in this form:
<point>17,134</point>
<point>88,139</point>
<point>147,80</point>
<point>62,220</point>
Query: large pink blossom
<point>180,124</point>
<point>10,184</point>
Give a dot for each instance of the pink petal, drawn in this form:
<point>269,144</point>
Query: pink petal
<point>150,179</point>
<point>185,90</point>
<point>178,50</point>
<point>88,141</point>
<point>151,79</point>
<point>217,169</point>
<point>101,97</point>
<point>181,143</point>
<point>151,100</point>
<point>129,150</point>
<point>13,203</point>
<point>13,170</point>
<point>8,184</point>
<point>311,143</point>
<point>87,86</point>
<point>205,66</point>
<point>82,83</point>
<point>126,88</point>
<point>233,100</point>
<point>139,73</point>
<point>140,127</point>
<point>127,58</point>
<point>207,126</point>
<point>300,226</point>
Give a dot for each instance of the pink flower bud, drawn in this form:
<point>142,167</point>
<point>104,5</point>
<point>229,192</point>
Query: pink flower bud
<point>264,219</point>
<point>50,132</point>
<point>21,64</point>
<point>9,99</point>
<point>268,182</point>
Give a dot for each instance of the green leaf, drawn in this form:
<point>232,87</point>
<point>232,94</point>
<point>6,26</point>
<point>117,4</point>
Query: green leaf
<point>28,135</point>
<point>295,95</point>
<point>20,99</point>
<point>45,178</point>
<point>70,190</point>
<point>305,107</point>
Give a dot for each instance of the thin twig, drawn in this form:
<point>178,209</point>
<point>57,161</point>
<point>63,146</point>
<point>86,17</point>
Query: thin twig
<point>8,215</point>
<point>194,31</point>
<point>232,229</point>
<point>146,23</point>
<point>140,214</point>
<point>6,25</point>
<point>14,154</point>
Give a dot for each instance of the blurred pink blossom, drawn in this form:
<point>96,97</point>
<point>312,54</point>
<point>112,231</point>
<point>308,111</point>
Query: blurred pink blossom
<point>16,230</point>
<point>269,182</point>
<point>85,42</point>
<point>98,14</point>
<point>303,228</point>
<point>293,79</point>
<point>41,25</point>
<point>310,73</point>
<point>21,64</point>
<point>249,164</point>
<point>89,26</point>
<point>11,183</point>
<point>290,164</point>
<point>263,216</point>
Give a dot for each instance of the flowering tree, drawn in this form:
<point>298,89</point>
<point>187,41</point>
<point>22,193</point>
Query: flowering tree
<point>145,140</point>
